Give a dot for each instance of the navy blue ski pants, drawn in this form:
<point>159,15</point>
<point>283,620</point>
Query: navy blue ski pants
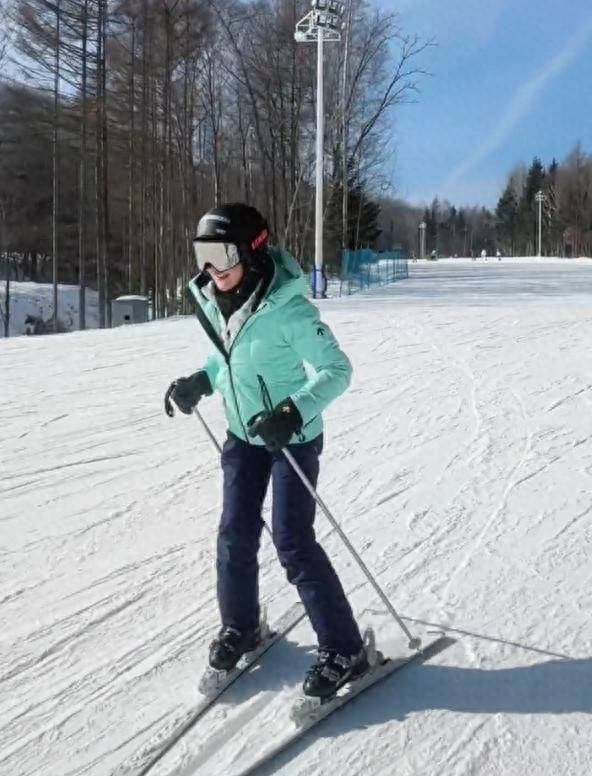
<point>247,471</point>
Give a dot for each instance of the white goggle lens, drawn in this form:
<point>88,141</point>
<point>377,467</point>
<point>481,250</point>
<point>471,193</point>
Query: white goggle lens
<point>221,256</point>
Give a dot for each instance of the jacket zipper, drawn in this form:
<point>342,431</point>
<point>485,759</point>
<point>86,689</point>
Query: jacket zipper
<point>232,387</point>
<point>238,414</point>
<point>227,355</point>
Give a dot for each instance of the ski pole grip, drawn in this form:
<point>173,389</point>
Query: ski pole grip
<point>168,404</point>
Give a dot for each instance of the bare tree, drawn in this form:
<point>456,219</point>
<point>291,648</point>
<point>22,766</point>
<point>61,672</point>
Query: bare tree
<point>182,103</point>
<point>56,165</point>
<point>82,179</point>
<point>4,312</point>
<point>575,192</point>
<point>101,161</point>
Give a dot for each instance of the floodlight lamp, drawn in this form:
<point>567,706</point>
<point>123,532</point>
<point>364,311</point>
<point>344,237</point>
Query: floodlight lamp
<point>319,23</point>
<point>319,5</point>
<point>336,7</point>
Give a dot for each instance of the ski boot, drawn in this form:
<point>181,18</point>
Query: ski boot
<point>332,671</point>
<point>230,645</point>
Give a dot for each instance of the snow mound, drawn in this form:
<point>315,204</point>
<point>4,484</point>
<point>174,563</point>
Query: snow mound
<point>35,301</point>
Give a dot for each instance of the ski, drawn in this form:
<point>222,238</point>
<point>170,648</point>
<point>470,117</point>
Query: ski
<point>142,763</point>
<point>309,719</point>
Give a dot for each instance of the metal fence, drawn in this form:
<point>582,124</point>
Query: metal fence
<point>365,268</point>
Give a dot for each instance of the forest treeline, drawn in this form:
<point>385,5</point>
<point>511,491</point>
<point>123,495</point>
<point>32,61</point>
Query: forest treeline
<point>121,121</point>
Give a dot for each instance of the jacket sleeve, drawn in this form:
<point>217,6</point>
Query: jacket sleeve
<point>315,343</point>
<point>212,367</point>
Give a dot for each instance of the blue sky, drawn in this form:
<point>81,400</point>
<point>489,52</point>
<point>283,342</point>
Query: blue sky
<point>510,79</point>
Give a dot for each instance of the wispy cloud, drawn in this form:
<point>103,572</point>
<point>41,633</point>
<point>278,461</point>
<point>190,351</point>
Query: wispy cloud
<point>521,104</point>
<point>465,21</point>
<point>479,190</point>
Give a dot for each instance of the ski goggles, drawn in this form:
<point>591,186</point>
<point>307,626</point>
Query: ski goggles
<point>219,255</point>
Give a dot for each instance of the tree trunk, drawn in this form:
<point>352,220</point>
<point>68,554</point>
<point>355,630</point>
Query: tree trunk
<point>105,186</point>
<point>7,301</point>
<point>155,166</point>
<point>4,252</point>
<point>344,158</point>
<point>144,151</point>
<point>82,192</point>
<point>99,164</point>
<point>55,205</point>
<point>131,181</point>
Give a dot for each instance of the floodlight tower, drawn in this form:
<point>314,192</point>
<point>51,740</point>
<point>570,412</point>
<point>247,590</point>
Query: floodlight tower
<point>422,234</point>
<point>322,23</point>
<point>540,198</point>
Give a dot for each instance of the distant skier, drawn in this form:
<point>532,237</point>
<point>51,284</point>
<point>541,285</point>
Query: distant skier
<point>251,303</point>
<point>318,282</point>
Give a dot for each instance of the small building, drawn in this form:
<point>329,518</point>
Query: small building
<point>129,309</point>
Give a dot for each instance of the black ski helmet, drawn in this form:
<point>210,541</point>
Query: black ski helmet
<point>235,223</point>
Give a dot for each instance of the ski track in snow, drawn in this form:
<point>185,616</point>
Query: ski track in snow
<point>459,463</point>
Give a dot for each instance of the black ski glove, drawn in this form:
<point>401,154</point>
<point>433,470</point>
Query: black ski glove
<point>186,392</point>
<point>277,427</point>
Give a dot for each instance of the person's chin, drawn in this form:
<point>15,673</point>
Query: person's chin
<point>226,285</point>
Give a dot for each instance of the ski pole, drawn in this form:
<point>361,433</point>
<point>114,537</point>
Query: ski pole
<point>216,444</point>
<point>414,642</point>
<point>207,429</point>
<point>169,408</point>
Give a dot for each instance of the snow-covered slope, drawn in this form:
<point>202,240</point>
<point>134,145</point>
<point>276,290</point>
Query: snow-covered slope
<point>459,463</point>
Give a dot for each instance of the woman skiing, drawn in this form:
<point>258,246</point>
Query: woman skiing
<point>251,303</point>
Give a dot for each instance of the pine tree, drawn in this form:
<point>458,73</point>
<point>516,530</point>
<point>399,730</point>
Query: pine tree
<point>553,223</point>
<point>463,232</point>
<point>507,220</point>
<point>452,229</point>
<point>535,181</point>
<point>433,227</point>
<point>365,213</point>
<point>363,216</point>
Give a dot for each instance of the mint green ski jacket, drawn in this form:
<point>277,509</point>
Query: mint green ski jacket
<point>285,343</point>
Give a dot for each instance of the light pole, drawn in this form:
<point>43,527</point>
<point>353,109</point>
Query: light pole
<point>422,232</point>
<point>540,198</point>
<point>323,23</point>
